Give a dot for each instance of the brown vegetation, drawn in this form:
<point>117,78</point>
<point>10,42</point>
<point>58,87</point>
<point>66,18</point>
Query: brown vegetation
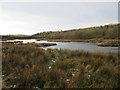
<point>105,32</point>
<point>109,43</point>
<point>26,66</point>
<point>30,44</point>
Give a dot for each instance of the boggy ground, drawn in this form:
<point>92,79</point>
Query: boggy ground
<point>29,44</point>
<point>31,67</point>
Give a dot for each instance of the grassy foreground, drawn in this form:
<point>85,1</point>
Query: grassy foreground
<point>31,67</point>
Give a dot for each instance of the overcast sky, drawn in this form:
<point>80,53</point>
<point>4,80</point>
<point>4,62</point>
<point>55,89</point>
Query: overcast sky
<point>33,17</point>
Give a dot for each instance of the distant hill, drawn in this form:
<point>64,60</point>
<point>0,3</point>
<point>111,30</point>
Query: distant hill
<point>105,32</point>
<point>19,36</point>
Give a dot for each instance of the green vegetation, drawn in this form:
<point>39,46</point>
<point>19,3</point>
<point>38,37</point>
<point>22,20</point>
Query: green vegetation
<point>26,66</point>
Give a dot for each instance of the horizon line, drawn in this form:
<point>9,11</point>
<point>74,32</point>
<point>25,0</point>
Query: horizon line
<point>64,30</point>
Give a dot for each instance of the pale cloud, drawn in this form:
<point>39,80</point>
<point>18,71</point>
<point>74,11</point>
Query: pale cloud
<point>31,18</point>
<point>22,23</point>
<point>59,0</point>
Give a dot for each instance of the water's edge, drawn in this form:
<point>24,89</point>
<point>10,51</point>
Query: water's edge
<point>92,47</point>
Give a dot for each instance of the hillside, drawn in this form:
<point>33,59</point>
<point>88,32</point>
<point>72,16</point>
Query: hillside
<point>105,32</point>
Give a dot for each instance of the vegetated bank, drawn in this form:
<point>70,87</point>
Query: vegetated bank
<point>26,66</point>
<point>105,32</point>
<point>30,44</point>
<point>99,34</point>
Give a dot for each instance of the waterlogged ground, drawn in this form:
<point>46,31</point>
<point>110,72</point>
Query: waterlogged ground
<point>92,47</point>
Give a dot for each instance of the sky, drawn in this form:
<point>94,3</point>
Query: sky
<point>33,17</point>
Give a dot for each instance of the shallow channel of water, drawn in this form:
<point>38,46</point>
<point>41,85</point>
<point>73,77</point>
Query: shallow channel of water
<point>92,47</point>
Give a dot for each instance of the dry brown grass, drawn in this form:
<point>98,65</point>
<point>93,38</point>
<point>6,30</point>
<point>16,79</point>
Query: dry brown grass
<point>30,67</point>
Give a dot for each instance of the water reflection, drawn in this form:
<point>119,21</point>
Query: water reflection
<point>92,47</point>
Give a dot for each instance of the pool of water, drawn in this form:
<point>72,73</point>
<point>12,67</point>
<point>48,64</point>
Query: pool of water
<point>92,47</point>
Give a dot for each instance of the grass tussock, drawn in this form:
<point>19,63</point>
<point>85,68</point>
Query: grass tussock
<point>30,67</point>
<point>109,43</point>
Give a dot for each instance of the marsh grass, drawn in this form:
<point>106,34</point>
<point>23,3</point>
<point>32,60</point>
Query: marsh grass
<point>40,44</point>
<point>98,41</point>
<point>109,43</point>
<point>30,67</point>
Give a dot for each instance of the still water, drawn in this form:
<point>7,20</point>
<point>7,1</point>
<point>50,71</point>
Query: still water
<point>92,47</point>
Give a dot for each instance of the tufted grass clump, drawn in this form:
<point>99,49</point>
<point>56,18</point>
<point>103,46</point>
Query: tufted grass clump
<point>31,67</point>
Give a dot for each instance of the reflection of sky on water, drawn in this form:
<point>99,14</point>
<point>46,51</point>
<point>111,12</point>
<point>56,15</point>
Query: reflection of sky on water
<point>92,47</point>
